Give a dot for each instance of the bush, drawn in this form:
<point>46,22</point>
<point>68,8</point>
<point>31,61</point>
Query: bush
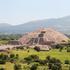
<point>58,46</point>
<point>49,65</point>
<point>61,48</point>
<point>37,48</point>
<point>54,67</point>
<point>28,58</point>
<point>17,67</point>
<point>54,64</point>
<point>34,57</point>
<point>3,58</point>
<point>2,61</point>
<point>12,55</point>
<point>48,58</point>
<point>68,49</point>
<point>17,56</point>
<point>13,58</point>
<point>34,67</point>
<point>2,69</point>
<point>67,62</point>
<point>42,62</point>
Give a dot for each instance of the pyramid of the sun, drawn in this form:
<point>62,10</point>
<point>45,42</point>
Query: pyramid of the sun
<point>43,36</point>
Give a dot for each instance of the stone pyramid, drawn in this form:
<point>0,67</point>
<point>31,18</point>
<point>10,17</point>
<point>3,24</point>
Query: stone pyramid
<point>43,36</point>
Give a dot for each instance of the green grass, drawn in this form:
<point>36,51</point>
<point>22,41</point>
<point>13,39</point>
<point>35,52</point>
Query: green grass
<point>42,54</point>
<point>2,42</point>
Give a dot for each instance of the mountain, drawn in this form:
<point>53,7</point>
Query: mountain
<point>4,25</point>
<point>60,24</point>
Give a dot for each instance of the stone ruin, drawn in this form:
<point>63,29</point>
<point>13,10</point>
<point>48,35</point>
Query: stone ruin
<point>43,37</point>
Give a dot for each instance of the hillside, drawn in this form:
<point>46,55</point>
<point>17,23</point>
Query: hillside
<point>61,24</point>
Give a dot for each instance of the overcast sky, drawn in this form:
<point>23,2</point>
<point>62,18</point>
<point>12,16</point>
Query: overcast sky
<point>21,11</point>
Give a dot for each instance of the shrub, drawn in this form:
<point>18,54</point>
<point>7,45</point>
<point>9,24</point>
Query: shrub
<point>67,62</point>
<point>58,46</point>
<point>17,56</point>
<point>3,58</point>
<point>28,59</point>
<point>34,67</point>
<point>32,58</point>
<point>54,64</point>
<point>13,58</point>
<point>2,69</point>
<point>61,48</point>
<point>48,58</point>
<point>17,67</point>
<point>54,67</point>
<point>2,61</point>
<point>53,60</point>
<point>49,65</point>
<point>37,48</point>
<point>42,62</point>
<point>12,55</point>
<point>68,49</point>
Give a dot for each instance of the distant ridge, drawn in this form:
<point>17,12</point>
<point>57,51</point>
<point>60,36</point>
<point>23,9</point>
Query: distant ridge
<point>61,24</point>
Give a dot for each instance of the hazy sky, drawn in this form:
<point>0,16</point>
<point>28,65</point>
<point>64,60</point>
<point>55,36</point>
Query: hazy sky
<point>20,11</point>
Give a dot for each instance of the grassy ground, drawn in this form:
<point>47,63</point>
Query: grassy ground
<point>42,54</point>
<point>2,42</point>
